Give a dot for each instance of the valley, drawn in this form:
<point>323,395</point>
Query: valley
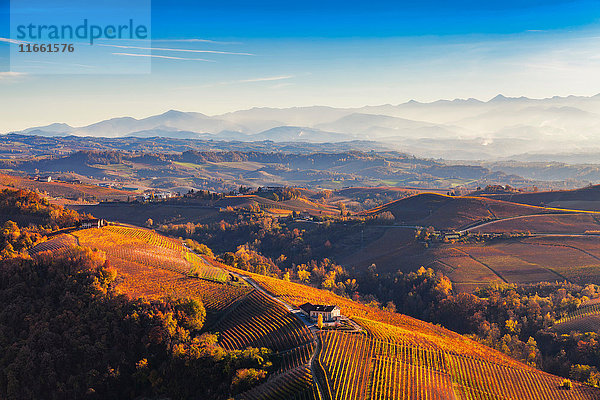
<point>434,284</point>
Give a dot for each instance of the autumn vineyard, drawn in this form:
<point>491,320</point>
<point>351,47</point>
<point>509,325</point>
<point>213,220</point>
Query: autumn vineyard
<point>391,356</point>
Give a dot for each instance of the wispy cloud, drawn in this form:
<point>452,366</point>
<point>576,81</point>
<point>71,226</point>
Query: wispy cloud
<point>267,79</point>
<point>175,50</point>
<point>193,41</point>
<point>251,80</point>
<point>9,75</point>
<point>12,41</point>
<point>158,56</point>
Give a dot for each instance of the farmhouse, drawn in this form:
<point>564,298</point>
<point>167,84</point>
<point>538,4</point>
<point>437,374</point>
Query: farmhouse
<point>44,178</point>
<point>91,223</point>
<point>330,313</point>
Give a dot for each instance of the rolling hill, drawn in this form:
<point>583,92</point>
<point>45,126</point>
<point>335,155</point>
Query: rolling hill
<point>392,356</point>
<point>574,224</point>
<point>451,212</point>
<point>63,190</point>
<point>400,357</point>
<point>524,243</point>
<point>579,199</point>
<point>201,211</point>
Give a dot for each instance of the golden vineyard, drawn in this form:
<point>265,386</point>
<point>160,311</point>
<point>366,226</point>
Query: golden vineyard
<point>386,355</point>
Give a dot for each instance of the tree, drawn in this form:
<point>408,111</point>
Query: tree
<point>245,378</point>
<point>390,306</point>
<point>303,275</point>
<point>149,222</point>
<point>320,321</point>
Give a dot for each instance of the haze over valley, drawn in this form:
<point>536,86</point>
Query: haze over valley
<point>553,129</point>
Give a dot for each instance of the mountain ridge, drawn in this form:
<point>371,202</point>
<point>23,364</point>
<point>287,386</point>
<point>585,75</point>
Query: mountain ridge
<point>468,128</point>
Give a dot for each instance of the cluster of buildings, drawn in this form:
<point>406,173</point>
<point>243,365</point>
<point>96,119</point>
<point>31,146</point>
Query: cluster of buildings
<point>155,196</point>
<point>48,178</point>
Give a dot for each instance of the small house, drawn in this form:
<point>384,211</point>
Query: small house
<point>91,223</point>
<point>452,236</point>
<point>44,178</point>
<point>329,312</point>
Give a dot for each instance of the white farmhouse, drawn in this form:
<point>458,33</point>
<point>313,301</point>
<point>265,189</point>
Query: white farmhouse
<point>329,312</point>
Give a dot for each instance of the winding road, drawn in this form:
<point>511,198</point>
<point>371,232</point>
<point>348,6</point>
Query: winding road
<point>305,320</point>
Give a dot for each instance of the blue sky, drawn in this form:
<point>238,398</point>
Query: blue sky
<point>338,53</point>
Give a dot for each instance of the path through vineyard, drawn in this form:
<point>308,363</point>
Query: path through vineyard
<point>306,321</point>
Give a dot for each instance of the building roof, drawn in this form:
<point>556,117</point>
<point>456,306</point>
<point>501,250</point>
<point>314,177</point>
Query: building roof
<point>88,220</point>
<point>308,307</point>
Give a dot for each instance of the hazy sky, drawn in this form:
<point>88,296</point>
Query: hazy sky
<point>341,53</point>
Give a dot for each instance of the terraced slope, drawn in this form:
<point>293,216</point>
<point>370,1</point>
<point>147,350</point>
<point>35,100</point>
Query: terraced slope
<point>549,223</point>
<point>151,266</point>
<point>586,319</point>
<point>398,357</point>
<point>525,260</point>
<point>298,205</point>
<point>62,189</point>
<point>412,330</point>
<point>146,247</point>
<point>397,369</point>
<point>296,384</point>
<point>395,357</point>
<point>56,244</point>
<point>259,321</point>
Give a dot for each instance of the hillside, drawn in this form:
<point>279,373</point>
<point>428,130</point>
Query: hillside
<point>202,211</point>
<point>560,244</point>
<point>63,190</point>
<point>574,224</point>
<point>578,199</point>
<point>562,251</point>
<point>396,355</point>
<point>225,168</point>
<point>400,357</point>
<point>585,318</point>
<point>451,212</point>
<point>525,260</point>
<point>277,207</point>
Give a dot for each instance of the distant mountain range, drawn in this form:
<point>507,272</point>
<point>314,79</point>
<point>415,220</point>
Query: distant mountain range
<point>458,129</point>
